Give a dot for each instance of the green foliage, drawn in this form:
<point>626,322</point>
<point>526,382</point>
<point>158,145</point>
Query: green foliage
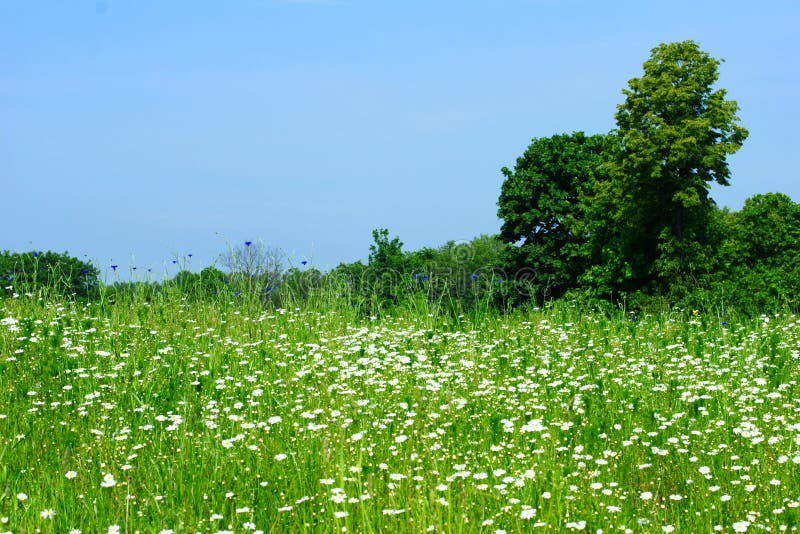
<point>465,275</point>
<point>48,271</point>
<point>456,276</point>
<point>299,285</point>
<point>544,205</point>
<point>203,285</point>
<point>385,254</point>
<point>628,215</point>
<point>765,231</point>
<point>676,133</point>
<point>758,254</point>
<point>755,270</point>
<point>387,266</point>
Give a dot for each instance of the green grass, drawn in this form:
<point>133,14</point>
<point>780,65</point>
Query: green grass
<point>223,416</point>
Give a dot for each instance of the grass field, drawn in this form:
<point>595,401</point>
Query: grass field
<point>173,416</point>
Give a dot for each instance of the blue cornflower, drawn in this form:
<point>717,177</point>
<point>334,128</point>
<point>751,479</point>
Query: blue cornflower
<point>174,261</point>
<point>425,277</point>
<point>114,267</point>
<point>248,243</point>
<point>724,323</point>
<point>634,318</point>
<point>474,276</point>
<point>85,271</point>
<point>190,255</point>
<point>35,254</point>
<point>304,262</point>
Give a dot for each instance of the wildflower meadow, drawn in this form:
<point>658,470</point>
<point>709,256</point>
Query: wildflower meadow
<point>167,415</point>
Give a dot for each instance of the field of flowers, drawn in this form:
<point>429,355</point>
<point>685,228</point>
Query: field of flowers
<point>177,417</point>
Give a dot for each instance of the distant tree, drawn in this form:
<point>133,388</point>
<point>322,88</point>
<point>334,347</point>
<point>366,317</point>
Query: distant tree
<point>459,272</point>
<point>212,281</point>
<point>348,275</point>
<point>347,281</point>
<point>676,132</point>
<point>252,266</point>
<point>386,272</point>
<point>543,204</point>
<point>37,270</point>
<point>300,284</point>
<point>206,284</point>
<point>185,279</point>
<point>385,254</point>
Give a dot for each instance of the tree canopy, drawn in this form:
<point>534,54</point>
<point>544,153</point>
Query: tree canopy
<point>543,204</point>
<point>676,132</point>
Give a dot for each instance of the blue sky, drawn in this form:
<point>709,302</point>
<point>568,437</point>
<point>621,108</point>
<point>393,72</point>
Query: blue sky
<point>135,132</point>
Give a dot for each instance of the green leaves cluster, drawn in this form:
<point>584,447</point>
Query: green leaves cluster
<point>545,204</point>
<point>759,247</point>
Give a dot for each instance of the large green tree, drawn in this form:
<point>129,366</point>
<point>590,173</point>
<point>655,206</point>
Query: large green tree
<point>543,204</point>
<point>676,132</point>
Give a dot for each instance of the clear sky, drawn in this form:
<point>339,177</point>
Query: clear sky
<point>134,132</point>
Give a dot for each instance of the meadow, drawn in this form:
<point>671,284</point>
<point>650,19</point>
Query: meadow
<point>222,416</point>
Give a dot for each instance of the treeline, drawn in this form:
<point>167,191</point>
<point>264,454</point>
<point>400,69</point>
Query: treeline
<point>623,218</point>
<point>754,269</point>
<point>456,276</point>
